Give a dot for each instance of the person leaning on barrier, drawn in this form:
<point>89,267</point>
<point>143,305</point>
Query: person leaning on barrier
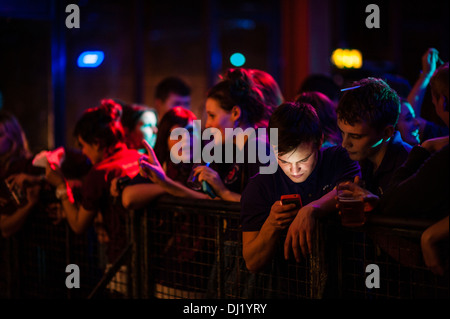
<point>420,187</point>
<point>367,114</point>
<point>140,191</point>
<point>100,135</point>
<point>305,169</point>
<point>17,171</point>
<point>233,103</point>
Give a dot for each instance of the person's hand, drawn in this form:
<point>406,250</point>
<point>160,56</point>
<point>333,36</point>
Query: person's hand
<point>430,253</point>
<point>435,144</point>
<point>300,234</point>
<point>430,242</point>
<point>32,193</point>
<point>21,180</point>
<point>150,166</point>
<point>114,190</point>
<point>54,175</point>
<point>429,61</point>
<point>209,175</point>
<point>355,187</point>
<point>281,216</point>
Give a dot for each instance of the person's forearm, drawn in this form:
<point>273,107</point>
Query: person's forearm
<point>415,96</point>
<point>259,252</point>
<point>324,205</point>
<point>78,222</point>
<point>179,190</point>
<point>72,215</point>
<point>11,224</point>
<point>139,195</point>
<point>438,231</point>
<point>230,196</point>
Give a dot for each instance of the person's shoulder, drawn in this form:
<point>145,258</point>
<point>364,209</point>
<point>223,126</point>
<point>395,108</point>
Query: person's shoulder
<point>334,152</point>
<point>260,182</point>
<point>399,144</point>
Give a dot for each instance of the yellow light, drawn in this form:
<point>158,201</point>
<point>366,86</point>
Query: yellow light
<point>346,58</point>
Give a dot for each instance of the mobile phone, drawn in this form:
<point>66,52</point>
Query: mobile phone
<point>292,199</point>
<point>207,189</point>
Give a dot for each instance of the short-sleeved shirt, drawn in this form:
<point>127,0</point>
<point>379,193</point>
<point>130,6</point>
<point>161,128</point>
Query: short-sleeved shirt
<point>396,154</point>
<point>333,166</point>
<point>96,194</point>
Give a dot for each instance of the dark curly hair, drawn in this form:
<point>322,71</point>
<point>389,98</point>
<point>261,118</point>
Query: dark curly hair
<point>371,100</point>
<point>297,123</point>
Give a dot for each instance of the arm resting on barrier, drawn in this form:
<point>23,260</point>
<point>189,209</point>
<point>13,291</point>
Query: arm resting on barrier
<point>301,231</point>
<point>176,189</point>
<point>139,195</point>
<point>429,241</point>
<point>80,218</point>
<point>259,246</point>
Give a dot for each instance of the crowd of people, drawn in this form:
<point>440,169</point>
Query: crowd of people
<point>367,135</point>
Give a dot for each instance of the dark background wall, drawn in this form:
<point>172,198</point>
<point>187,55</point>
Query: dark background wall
<point>145,41</point>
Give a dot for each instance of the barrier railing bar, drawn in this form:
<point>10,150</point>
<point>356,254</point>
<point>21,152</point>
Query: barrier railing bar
<point>100,287</point>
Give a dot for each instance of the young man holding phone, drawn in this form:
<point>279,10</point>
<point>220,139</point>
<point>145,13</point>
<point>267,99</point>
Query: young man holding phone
<point>306,170</point>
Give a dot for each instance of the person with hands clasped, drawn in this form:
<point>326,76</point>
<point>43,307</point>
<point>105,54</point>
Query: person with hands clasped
<point>20,180</point>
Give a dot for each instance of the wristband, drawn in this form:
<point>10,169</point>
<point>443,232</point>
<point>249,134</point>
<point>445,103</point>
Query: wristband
<point>63,192</point>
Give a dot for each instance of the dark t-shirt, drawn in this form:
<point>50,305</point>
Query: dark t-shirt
<point>420,187</point>
<point>236,174</point>
<point>333,166</point>
<point>396,154</point>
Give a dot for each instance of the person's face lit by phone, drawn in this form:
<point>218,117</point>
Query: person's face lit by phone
<point>299,163</point>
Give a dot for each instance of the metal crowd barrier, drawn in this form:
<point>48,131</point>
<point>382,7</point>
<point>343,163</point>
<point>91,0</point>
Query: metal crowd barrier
<point>180,248</point>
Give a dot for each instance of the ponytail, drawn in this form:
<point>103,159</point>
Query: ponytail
<point>101,124</point>
<point>237,88</point>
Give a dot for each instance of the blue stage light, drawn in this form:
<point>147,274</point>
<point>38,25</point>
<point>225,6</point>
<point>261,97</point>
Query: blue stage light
<point>90,59</point>
<point>237,59</point>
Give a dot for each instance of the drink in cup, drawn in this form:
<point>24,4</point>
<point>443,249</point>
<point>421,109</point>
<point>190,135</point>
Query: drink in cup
<point>351,205</point>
